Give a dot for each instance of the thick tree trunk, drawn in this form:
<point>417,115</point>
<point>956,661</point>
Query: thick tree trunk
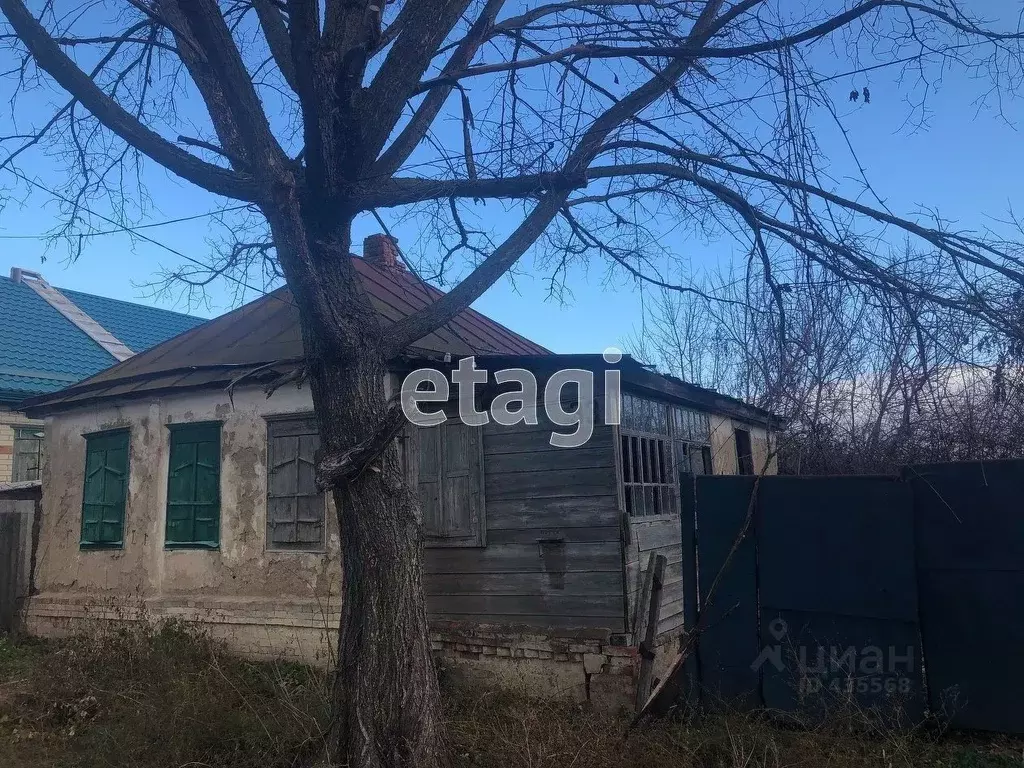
<point>386,700</point>
<point>387,709</point>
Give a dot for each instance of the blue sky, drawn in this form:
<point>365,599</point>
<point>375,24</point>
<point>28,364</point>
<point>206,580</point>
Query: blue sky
<point>966,163</point>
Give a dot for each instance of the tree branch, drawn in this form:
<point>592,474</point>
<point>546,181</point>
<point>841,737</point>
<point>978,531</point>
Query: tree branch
<point>415,326</point>
<point>276,33</point>
<point>50,58</point>
<point>400,149</point>
<point>429,23</point>
<point>213,36</point>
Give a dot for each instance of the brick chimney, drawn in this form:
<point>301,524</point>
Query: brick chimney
<point>382,252</point>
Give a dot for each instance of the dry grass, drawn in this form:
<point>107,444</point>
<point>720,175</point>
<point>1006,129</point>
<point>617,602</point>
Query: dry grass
<point>145,697</point>
<point>493,731</point>
<point>170,698</point>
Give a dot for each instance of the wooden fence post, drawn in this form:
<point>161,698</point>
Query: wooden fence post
<point>647,629</point>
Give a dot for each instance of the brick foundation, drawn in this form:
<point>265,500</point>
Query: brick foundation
<point>585,665</point>
<point>588,665</point>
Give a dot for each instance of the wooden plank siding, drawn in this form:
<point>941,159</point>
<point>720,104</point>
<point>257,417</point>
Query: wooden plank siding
<point>642,536</point>
<point>661,536</point>
<point>553,555</point>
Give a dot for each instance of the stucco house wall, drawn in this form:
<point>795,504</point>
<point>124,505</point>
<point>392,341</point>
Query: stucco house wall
<point>269,602</point>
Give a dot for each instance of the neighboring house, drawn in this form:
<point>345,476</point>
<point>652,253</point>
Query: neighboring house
<point>174,481</point>
<point>51,338</point>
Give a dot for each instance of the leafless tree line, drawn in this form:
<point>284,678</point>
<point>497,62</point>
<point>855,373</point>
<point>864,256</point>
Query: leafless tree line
<point>865,381</point>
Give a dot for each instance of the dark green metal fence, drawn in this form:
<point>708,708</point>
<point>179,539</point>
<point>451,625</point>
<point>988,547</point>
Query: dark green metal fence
<point>902,594</point>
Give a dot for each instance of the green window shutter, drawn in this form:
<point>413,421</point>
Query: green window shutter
<point>295,507</point>
<point>106,488</point>
<point>450,484</point>
<point>193,486</point>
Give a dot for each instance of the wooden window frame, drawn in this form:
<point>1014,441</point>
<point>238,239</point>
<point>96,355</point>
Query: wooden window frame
<point>177,430</point>
<point>672,443</point>
<point>94,438</point>
<point>38,453</point>
<point>275,420</point>
<point>649,455</point>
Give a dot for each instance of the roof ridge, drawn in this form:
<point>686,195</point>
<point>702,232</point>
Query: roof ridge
<point>129,302</point>
<point>487,324</point>
<point>79,318</point>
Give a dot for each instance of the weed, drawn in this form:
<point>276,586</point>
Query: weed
<point>167,696</point>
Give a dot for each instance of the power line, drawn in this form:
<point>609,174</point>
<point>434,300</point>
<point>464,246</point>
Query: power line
<point>133,231</point>
<point>121,228</point>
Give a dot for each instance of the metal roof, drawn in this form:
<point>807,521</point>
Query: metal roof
<point>41,351</point>
<point>261,340</point>
<point>23,489</point>
<point>266,331</point>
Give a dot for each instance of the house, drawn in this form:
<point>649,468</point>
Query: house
<point>175,483</point>
<point>51,338</point>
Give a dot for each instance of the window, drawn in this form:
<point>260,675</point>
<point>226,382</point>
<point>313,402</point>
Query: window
<point>695,459</point>
<point>449,475</point>
<point>106,487</point>
<point>744,453</point>
<point>193,486</point>
<point>650,483</point>
<point>658,441</point>
<point>28,453</point>
<point>295,508</point>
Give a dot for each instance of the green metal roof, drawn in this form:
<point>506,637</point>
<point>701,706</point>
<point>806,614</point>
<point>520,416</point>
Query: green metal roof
<point>41,351</point>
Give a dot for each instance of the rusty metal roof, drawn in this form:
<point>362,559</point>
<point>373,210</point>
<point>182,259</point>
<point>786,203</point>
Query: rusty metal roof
<point>267,330</point>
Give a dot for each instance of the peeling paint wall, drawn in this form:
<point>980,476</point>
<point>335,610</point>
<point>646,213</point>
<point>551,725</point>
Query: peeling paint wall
<point>764,447</point>
<point>240,583</point>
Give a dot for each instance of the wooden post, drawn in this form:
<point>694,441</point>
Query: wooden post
<point>647,630</point>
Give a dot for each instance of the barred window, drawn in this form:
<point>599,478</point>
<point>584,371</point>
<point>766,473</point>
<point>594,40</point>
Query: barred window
<point>658,441</point>
<point>650,485</point>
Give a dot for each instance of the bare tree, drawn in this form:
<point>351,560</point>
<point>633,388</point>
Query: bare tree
<point>592,119</point>
<point>866,381</point>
